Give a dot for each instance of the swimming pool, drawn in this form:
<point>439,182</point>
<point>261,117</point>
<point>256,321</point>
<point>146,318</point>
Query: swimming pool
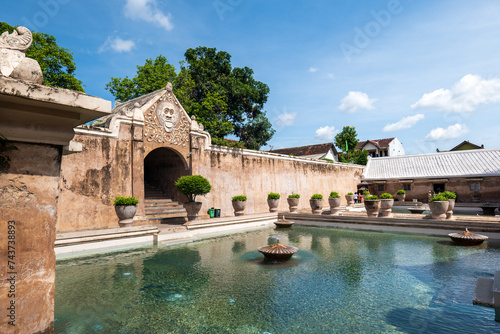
<point>341,281</point>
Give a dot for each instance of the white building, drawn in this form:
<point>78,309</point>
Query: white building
<point>388,147</point>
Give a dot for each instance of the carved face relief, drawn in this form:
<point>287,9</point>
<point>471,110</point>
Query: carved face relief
<point>168,115</point>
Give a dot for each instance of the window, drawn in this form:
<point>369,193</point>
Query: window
<point>475,186</point>
<point>407,187</point>
<point>380,187</point>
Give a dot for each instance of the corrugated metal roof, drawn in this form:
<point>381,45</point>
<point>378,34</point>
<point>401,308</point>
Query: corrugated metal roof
<point>472,163</point>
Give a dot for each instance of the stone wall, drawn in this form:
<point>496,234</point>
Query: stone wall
<point>255,174</point>
<point>90,180</point>
<point>29,187</point>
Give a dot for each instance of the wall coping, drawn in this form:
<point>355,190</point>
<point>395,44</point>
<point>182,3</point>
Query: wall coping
<point>263,154</point>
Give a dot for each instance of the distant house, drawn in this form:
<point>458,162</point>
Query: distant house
<point>316,152</point>
<point>474,175</point>
<point>465,145</point>
<point>387,147</point>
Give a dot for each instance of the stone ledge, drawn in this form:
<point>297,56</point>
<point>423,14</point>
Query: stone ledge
<point>88,236</point>
<point>213,222</point>
<point>486,226</point>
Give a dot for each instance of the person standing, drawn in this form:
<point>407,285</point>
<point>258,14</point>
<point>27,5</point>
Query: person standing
<point>355,197</point>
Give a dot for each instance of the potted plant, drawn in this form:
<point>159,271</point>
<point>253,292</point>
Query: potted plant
<point>192,186</point>
<point>293,202</point>
<point>316,203</point>
<point>273,200</point>
<point>364,194</point>
<point>239,204</point>
<point>439,206</point>
<point>386,203</point>
<point>334,201</point>
<point>372,204</point>
<point>349,198</point>
<point>125,208</point>
<point>451,196</point>
<point>401,195</point>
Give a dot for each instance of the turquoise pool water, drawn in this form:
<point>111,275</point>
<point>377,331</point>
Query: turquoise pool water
<point>340,281</point>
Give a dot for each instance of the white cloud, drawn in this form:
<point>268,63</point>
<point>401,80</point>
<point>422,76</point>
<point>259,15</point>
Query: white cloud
<point>330,76</point>
<point>464,96</point>
<point>326,133</point>
<point>405,123</point>
<point>355,101</point>
<point>286,118</point>
<point>452,132</point>
<point>147,10</point>
<point>312,69</point>
<point>117,44</point>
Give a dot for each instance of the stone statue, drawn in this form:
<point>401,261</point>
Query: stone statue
<point>13,61</point>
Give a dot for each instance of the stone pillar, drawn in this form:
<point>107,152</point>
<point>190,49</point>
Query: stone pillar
<point>28,212</point>
<point>36,122</point>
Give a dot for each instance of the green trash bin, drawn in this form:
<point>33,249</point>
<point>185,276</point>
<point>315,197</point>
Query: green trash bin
<point>211,212</point>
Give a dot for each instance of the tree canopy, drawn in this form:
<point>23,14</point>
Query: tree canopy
<point>224,99</point>
<point>57,63</point>
<point>347,140</point>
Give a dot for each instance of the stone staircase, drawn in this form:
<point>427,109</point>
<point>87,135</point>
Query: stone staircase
<point>487,293</point>
<point>162,210</point>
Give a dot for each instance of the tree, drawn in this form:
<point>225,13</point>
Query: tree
<point>56,62</point>
<point>224,99</point>
<point>347,140</point>
<point>153,75</point>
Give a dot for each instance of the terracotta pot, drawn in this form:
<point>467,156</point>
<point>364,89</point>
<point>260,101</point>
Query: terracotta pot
<point>349,199</point>
<point>316,206</point>
<point>372,207</point>
<point>334,205</point>
<point>386,207</point>
<point>193,210</point>
<point>273,204</point>
<point>125,214</point>
<point>239,207</point>
<point>400,197</point>
<point>293,204</point>
<point>449,213</point>
<point>438,209</point>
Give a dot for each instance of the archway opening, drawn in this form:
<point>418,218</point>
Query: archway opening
<point>162,167</point>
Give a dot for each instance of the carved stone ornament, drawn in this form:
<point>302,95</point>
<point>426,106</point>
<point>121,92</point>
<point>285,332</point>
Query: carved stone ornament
<point>166,123</point>
<point>20,39</point>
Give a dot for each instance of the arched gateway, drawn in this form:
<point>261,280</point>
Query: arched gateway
<point>165,145</point>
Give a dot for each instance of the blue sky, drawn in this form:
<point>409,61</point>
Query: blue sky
<point>426,72</point>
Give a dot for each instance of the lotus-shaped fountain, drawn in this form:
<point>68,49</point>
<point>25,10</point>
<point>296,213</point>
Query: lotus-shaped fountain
<point>467,238</point>
<point>278,252</point>
<point>283,223</point>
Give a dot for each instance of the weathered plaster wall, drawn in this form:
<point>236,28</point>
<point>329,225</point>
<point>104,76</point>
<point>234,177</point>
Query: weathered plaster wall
<point>490,188</point>
<point>255,174</point>
<point>28,196</point>
<point>91,179</point>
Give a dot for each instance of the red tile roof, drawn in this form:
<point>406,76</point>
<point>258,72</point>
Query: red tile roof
<point>379,143</point>
<point>307,150</point>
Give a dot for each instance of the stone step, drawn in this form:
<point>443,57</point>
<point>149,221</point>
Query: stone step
<point>154,202</point>
<point>171,210</point>
<point>163,215</point>
<point>168,220</point>
<point>483,294</point>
